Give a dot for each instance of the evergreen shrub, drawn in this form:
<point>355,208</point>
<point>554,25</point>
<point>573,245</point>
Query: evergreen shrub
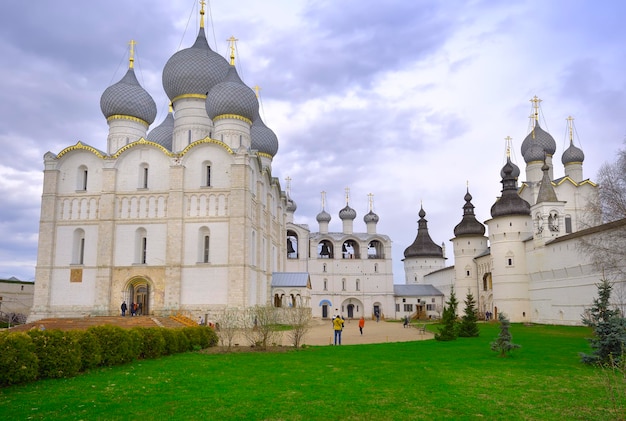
<point>117,345</point>
<point>91,354</point>
<point>153,343</point>
<point>18,360</point>
<point>59,353</point>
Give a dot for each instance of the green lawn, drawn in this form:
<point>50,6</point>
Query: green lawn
<point>463,379</point>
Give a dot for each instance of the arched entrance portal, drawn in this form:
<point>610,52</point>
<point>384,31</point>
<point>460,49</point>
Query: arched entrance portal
<point>138,291</point>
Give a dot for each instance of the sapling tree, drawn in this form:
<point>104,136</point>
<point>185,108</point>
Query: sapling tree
<point>503,343</point>
<point>469,322</point>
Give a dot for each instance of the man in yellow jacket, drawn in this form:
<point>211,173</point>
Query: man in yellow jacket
<point>338,328</point>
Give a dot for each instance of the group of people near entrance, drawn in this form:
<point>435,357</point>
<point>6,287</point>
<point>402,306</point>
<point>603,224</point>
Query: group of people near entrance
<point>135,309</point>
<point>338,327</point>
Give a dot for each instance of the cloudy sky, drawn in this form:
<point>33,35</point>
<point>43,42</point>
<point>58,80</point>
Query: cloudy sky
<point>407,100</point>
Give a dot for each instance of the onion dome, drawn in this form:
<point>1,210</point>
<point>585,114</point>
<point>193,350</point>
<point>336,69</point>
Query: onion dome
<point>232,96</point>
<point>323,216</point>
<point>163,133</point>
<point>469,225</point>
<point>263,139</point>
<point>534,153</point>
<point>347,213</point>
<point>194,70</point>
<point>515,173</point>
<point>128,98</point>
<point>370,217</point>
<point>540,137</point>
<point>291,205</point>
<point>572,155</point>
<point>510,203</point>
<point>423,246</point>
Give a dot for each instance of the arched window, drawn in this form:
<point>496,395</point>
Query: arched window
<point>206,174</point>
<point>343,284</point>
<point>204,241</point>
<point>141,246</point>
<point>78,249</point>
<point>358,285</point>
<point>81,178</point>
<point>143,176</point>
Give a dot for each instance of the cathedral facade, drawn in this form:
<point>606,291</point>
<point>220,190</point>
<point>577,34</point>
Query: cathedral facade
<point>184,218</point>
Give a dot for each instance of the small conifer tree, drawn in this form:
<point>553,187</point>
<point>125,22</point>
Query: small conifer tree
<point>503,343</point>
<point>449,331</point>
<point>609,329</point>
<point>469,322</point>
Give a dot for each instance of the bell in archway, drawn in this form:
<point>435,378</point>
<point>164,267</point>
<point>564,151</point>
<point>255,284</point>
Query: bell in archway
<point>290,248</point>
<point>325,251</point>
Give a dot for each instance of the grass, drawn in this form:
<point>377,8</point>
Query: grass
<point>459,380</point>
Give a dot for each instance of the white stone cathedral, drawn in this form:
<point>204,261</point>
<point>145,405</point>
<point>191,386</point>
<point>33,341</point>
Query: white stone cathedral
<point>188,218</point>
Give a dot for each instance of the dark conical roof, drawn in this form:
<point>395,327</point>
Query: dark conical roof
<point>469,225</point>
<point>546,190</point>
<point>510,203</point>
<point>128,98</point>
<point>423,246</point>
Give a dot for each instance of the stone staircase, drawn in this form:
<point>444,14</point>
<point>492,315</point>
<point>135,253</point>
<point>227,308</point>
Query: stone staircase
<point>87,322</point>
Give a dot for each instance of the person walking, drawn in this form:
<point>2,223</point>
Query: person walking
<point>361,324</point>
<point>338,328</point>
<point>406,321</point>
<point>124,307</point>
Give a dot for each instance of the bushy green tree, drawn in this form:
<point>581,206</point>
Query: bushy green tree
<point>609,328</point>
<point>449,330</point>
<point>503,343</point>
<point>469,322</point>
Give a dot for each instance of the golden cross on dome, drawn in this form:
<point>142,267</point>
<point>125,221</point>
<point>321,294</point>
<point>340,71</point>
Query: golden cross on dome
<point>131,60</point>
<point>202,3</point>
<point>323,199</point>
<point>232,41</point>
<point>347,195</point>
<point>570,127</point>
<point>370,198</point>
<point>508,146</point>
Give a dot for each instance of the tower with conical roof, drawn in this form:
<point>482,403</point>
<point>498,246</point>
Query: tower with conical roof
<point>424,255</point>
<point>128,108</point>
<point>548,213</point>
<point>509,228</point>
<point>469,242</point>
